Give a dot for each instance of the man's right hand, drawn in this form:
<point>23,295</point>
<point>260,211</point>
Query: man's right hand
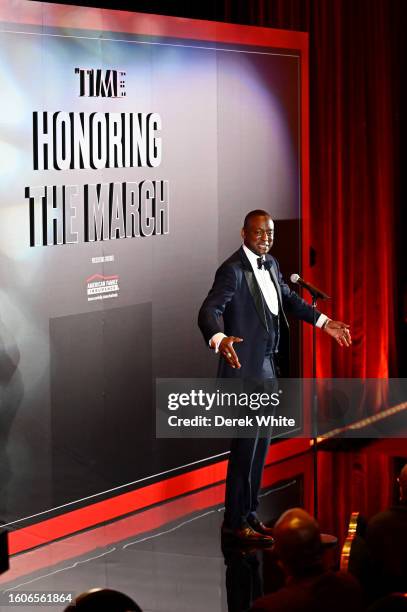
<point>228,352</point>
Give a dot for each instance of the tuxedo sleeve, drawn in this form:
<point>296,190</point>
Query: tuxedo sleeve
<point>293,304</point>
<point>223,289</point>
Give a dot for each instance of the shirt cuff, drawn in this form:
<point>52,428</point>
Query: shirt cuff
<point>322,320</point>
<point>216,340</point>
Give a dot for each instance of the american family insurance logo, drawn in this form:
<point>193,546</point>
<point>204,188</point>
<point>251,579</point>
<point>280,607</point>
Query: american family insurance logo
<point>101,287</point>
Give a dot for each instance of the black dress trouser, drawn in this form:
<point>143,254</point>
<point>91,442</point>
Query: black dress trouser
<point>248,455</point>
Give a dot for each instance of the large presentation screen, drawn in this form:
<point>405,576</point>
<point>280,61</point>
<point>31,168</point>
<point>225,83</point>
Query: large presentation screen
<point>131,148</point>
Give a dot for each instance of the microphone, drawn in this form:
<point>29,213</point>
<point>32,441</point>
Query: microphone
<point>314,291</point>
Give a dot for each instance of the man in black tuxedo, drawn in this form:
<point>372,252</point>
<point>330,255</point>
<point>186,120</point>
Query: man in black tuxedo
<point>251,299</point>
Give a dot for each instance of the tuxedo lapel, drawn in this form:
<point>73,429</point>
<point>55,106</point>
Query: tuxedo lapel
<point>254,288</point>
<point>277,286</point>
<point>278,289</point>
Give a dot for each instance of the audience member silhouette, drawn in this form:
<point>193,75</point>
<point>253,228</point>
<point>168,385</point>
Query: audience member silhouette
<point>96,600</point>
<point>385,567</point>
<point>309,586</point>
<point>396,602</point>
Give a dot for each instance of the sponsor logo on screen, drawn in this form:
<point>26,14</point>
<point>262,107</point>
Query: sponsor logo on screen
<point>100,287</point>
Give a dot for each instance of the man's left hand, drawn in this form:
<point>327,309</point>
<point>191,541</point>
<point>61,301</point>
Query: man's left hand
<point>340,331</point>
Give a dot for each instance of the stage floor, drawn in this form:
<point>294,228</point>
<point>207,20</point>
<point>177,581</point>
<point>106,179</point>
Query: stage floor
<point>179,566</point>
<point>169,557</point>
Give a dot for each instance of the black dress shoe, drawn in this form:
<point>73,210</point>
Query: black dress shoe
<point>260,527</point>
<point>247,534</point>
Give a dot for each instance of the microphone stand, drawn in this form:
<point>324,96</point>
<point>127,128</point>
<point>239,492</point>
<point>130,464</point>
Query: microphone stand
<point>314,405</point>
<point>315,294</point>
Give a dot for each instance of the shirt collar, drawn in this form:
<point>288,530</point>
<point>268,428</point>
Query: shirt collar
<point>252,257</point>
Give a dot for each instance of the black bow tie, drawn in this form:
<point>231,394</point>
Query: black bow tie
<point>263,263</point>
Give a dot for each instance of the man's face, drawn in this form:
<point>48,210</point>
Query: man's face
<point>258,235</point>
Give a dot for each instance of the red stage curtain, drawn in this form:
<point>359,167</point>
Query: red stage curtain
<point>353,75</point>
<point>352,182</point>
<point>360,481</point>
<point>354,153</point>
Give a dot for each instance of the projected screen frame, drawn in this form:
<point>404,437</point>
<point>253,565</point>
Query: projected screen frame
<point>98,21</point>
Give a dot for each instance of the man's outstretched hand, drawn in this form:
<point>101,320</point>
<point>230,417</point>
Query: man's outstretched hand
<point>228,352</point>
<point>339,331</point>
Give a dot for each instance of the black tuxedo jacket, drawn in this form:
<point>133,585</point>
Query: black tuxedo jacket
<point>235,306</point>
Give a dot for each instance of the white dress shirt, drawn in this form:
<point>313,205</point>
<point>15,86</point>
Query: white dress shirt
<point>263,277</point>
<point>268,291</point>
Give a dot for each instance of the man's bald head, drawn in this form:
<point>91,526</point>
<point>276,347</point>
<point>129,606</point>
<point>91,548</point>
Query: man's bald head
<point>403,484</point>
<point>298,541</point>
<point>255,213</point>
